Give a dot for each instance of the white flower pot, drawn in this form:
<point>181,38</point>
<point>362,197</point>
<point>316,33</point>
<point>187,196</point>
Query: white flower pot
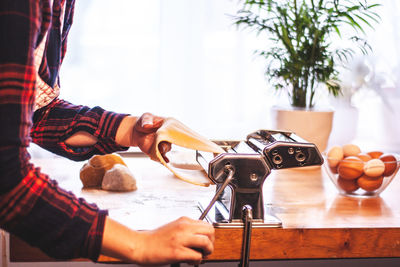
<point>312,125</point>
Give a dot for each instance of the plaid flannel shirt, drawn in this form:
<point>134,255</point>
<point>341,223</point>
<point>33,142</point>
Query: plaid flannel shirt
<point>32,206</point>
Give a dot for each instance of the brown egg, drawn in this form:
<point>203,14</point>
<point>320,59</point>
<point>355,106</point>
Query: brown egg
<point>375,154</point>
<point>351,168</point>
<point>335,154</point>
<point>370,183</point>
<point>364,157</point>
<point>390,162</point>
<point>348,185</point>
<point>351,150</point>
<point>334,170</point>
<point>374,168</point>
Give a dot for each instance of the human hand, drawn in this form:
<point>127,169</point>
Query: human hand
<point>183,240</point>
<point>144,134</point>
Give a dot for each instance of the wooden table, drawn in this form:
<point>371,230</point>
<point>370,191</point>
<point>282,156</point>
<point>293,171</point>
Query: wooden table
<point>317,221</point>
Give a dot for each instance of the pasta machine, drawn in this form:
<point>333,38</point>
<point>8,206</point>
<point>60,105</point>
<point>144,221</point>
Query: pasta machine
<point>239,174</point>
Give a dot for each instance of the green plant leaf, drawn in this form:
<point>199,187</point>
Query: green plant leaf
<point>301,54</point>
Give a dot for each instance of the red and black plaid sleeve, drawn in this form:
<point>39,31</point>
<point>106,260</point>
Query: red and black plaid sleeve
<point>32,206</point>
<point>54,123</point>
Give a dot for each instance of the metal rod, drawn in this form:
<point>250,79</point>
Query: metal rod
<point>219,192</point>
<point>247,221</point>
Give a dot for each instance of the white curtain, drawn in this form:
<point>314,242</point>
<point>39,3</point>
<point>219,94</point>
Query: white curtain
<point>180,58</point>
<point>184,58</point>
<point>379,104</point>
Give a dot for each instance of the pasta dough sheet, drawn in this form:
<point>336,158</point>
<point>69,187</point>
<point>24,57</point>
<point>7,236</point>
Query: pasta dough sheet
<point>176,133</point>
<point>184,159</point>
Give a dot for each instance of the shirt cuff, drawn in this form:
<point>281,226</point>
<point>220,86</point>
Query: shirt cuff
<point>92,248</point>
<point>106,132</point>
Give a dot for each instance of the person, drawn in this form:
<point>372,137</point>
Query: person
<point>33,38</point>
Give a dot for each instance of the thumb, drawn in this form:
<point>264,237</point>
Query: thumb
<point>152,122</point>
<point>147,123</point>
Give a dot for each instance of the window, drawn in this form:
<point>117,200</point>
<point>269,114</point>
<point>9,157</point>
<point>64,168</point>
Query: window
<point>185,58</point>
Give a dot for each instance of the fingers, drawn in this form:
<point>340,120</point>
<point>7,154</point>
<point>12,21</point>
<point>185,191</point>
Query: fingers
<point>203,228</point>
<point>201,237</point>
<point>207,230</point>
<point>202,244</point>
<point>144,134</point>
<point>192,256</point>
<point>195,250</point>
<point>164,148</point>
<point>149,123</point>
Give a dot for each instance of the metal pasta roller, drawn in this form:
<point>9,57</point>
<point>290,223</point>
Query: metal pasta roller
<point>239,174</point>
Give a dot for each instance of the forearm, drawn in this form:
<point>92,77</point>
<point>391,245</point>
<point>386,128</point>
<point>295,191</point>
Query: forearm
<point>119,241</point>
<point>124,135</point>
<point>130,131</point>
<point>75,131</point>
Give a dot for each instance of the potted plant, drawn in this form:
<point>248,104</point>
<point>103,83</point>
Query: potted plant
<point>302,54</point>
